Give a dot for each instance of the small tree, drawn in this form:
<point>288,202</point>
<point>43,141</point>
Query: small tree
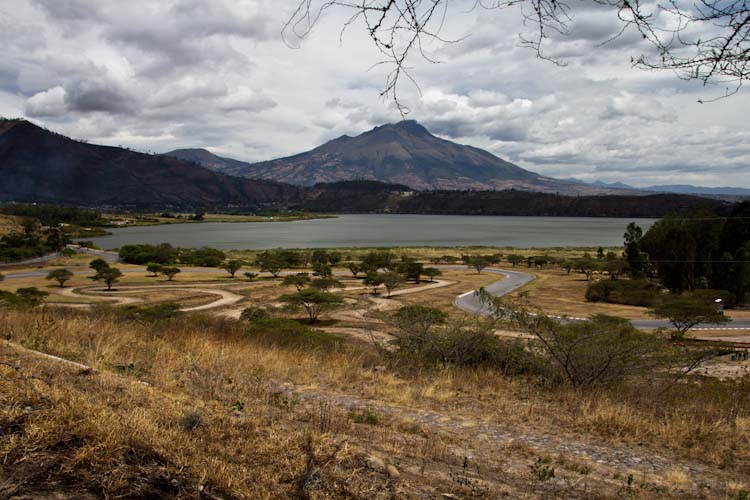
<point>108,275</point>
<point>250,276</point>
<point>374,280</point>
<point>322,269</point>
<point>614,268</point>
<point>417,320</point>
<point>271,261</point>
<point>354,268</point>
<point>24,297</point>
<point>314,301</point>
<point>391,281</point>
<point>587,266</point>
<point>2,277</point>
<point>299,280</point>
<point>411,269</point>
<point>515,259</point>
<point>232,266</point>
<point>154,268</point>
<point>325,283</point>
<point>568,265</point>
<point>479,263</point>
<point>684,313</point>
<point>432,272</point>
<point>98,264</point>
<point>170,272</point>
<point>60,275</point>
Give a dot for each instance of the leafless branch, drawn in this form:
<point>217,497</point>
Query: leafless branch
<point>398,27</point>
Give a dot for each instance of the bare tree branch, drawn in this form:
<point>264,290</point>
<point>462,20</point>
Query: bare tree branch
<point>708,41</point>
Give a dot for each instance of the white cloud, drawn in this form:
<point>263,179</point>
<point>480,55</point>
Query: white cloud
<point>189,73</point>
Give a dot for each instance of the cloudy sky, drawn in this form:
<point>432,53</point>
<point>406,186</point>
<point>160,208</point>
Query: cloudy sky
<point>159,75</point>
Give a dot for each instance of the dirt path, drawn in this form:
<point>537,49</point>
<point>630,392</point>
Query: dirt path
<point>226,297</point>
<point>515,447</point>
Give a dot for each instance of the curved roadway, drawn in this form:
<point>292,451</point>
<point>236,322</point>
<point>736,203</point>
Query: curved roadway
<point>470,302</point>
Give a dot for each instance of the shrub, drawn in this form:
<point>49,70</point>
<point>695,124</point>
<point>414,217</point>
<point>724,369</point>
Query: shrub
<point>23,298</point>
<point>164,253</point>
<point>150,314</point>
<point>629,292</point>
<point>424,338</point>
<point>255,314</point>
<point>202,257</point>
<point>290,334</point>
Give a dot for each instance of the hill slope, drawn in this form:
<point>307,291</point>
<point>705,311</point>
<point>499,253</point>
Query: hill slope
<point>370,196</point>
<point>40,166</point>
<point>404,153</point>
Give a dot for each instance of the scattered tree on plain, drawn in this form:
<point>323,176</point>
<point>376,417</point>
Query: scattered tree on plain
<point>391,280</point>
<point>108,275</point>
<point>326,283</point>
<point>170,272</point>
<point>154,268</point>
<point>684,313</point>
<point>373,279</point>
<point>299,280</point>
<point>232,266</point>
<point>432,272</point>
<point>60,275</point>
<point>478,263</point>
<point>313,301</point>
<point>98,264</point>
<point>354,268</point>
<point>271,261</point>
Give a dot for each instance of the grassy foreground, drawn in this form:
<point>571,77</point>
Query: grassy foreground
<point>193,407</point>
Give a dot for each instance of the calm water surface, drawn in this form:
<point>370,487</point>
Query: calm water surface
<point>380,230</point>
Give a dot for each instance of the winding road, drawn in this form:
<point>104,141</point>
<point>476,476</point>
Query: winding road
<point>470,302</point>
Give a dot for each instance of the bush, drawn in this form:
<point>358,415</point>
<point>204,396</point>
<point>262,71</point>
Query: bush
<point>202,257</point>
<point>424,338</point>
<point>150,314</point>
<point>255,314</point>
<point>164,253</point>
<point>629,292</point>
<point>23,298</point>
<point>290,334</point>
<point>603,350</point>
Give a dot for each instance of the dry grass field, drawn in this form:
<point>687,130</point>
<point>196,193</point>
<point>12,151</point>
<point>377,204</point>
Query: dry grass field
<point>557,293</point>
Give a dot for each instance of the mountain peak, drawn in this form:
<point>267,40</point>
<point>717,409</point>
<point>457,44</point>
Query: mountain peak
<point>412,127</point>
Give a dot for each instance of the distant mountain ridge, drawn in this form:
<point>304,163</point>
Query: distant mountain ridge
<point>40,166</point>
<point>673,188</point>
<point>37,165</point>
<point>402,153</point>
<point>376,197</point>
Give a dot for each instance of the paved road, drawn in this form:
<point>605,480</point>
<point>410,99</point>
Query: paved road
<point>470,302</point>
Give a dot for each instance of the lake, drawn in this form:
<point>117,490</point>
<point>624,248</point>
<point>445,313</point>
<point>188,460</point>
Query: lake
<point>380,230</point>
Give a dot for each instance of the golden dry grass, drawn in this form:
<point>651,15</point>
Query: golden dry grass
<point>207,365</point>
<point>10,224</point>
